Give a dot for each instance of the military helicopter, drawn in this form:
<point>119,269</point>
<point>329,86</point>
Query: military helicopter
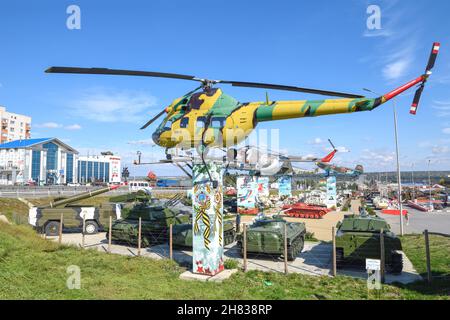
<point>207,117</point>
<point>333,170</point>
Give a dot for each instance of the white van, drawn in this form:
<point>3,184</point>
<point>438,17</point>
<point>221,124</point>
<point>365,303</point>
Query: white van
<point>134,186</point>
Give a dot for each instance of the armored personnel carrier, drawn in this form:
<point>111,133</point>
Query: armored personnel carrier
<point>47,218</point>
<point>182,234</point>
<point>358,238</point>
<point>156,218</point>
<point>266,236</point>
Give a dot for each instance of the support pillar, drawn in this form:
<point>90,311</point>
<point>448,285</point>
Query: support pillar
<point>207,220</point>
<point>331,192</point>
<point>285,186</point>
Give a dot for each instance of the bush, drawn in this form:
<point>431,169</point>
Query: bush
<point>309,236</point>
<point>231,264</point>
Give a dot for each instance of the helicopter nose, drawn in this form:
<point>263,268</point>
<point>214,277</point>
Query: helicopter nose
<point>155,137</point>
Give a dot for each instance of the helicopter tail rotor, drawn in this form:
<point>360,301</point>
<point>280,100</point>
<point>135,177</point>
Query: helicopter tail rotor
<point>430,65</point>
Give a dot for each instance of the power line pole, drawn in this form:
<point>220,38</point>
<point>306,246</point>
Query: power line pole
<point>429,182</point>
<point>399,197</point>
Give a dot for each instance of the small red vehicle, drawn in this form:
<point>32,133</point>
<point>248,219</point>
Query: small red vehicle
<point>303,210</point>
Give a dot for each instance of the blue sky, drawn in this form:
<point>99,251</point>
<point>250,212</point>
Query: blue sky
<point>323,44</point>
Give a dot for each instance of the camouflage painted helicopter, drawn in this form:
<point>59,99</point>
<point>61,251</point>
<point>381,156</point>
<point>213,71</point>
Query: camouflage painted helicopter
<point>211,118</point>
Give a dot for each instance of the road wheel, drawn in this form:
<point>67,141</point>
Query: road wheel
<point>339,256</point>
<point>91,227</point>
<point>291,253</point>
<point>396,263</point>
<point>52,228</point>
<point>300,245</point>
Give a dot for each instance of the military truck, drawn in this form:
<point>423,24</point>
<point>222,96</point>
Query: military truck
<point>266,236</point>
<point>156,218</point>
<point>46,219</point>
<point>358,238</point>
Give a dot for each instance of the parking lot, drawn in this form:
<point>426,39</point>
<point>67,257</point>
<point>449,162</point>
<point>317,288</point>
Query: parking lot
<point>315,259</point>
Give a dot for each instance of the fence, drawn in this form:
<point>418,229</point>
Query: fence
<point>320,258</point>
<point>51,191</point>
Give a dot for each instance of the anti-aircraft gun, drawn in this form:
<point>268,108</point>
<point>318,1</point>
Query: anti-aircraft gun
<point>47,218</point>
<point>156,218</point>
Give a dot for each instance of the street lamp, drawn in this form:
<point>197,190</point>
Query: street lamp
<point>399,190</point>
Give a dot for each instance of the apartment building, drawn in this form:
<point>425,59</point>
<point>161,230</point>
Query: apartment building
<point>14,126</point>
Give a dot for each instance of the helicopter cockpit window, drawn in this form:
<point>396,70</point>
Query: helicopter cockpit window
<point>218,122</point>
<point>200,122</point>
<point>168,124</point>
<point>184,122</point>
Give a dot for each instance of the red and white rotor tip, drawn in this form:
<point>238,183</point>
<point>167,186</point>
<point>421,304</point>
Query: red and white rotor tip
<point>430,65</point>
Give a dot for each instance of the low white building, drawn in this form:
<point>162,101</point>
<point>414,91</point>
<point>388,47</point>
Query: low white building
<point>42,161</point>
<point>102,168</point>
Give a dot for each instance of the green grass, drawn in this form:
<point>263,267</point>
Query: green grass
<point>414,248</point>
<point>13,209</point>
<point>34,268</point>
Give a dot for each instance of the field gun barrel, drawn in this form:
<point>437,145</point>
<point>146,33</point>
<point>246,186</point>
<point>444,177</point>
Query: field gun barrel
<point>78,197</point>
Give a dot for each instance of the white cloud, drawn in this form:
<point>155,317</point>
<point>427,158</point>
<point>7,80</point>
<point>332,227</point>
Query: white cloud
<point>443,107</point>
<point>73,127</point>
<point>342,149</point>
<point>54,125</point>
<point>49,125</point>
<point>396,69</point>
<point>316,141</point>
<point>377,33</point>
<point>446,130</point>
<point>440,149</point>
<point>105,105</point>
<point>147,142</point>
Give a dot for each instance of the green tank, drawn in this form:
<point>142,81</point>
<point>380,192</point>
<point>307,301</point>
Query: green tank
<point>182,234</point>
<point>266,236</point>
<point>358,238</point>
<point>156,219</point>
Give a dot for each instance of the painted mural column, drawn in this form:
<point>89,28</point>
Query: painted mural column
<point>247,193</point>
<point>207,220</point>
<point>285,186</point>
<point>331,192</point>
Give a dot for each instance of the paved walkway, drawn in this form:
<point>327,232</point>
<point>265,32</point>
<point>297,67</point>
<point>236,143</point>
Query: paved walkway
<point>315,259</point>
<point>419,221</point>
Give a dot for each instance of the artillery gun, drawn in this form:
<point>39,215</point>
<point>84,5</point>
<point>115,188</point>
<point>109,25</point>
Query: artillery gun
<point>358,238</point>
<point>266,236</point>
<point>47,218</point>
<point>156,219</point>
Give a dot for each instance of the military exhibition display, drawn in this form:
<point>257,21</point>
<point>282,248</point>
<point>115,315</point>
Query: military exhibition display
<point>218,154</point>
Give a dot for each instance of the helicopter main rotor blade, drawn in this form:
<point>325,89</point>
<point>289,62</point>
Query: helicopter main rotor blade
<point>149,122</point>
<point>205,82</point>
<point>290,88</point>
<point>118,72</point>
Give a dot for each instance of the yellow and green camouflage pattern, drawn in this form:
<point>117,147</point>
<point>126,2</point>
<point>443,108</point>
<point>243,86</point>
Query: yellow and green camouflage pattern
<point>228,122</point>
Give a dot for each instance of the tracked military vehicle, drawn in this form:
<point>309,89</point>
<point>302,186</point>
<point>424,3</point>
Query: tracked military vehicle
<point>358,238</point>
<point>47,218</point>
<point>266,236</point>
<point>156,218</point>
<point>182,234</point>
